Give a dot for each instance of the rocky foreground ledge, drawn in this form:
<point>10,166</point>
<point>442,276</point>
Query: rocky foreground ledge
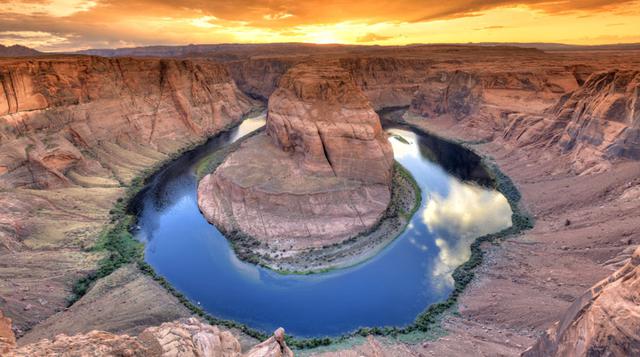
<point>186,338</point>
<point>605,318</point>
<point>320,175</point>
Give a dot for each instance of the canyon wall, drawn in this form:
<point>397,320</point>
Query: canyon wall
<point>603,321</point>
<point>594,124</point>
<point>74,132</point>
<point>603,115</point>
<point>65,121</point>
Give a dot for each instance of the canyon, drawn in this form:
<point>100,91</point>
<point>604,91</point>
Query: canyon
<point>77,130</point>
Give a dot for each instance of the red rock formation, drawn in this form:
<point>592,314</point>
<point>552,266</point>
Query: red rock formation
<point>603,115</point>
<point>74,130</point>
<point>594,124</point>
<point>602,322</point>
<point>259,77</point>
<point>187,338</point>
<point>318,112</point>
<point>323,175</point>
<point>56,110</point>
<point>388,81</point>
<point>274,346</point>
<point>7,338</point>
<point>458,95</point>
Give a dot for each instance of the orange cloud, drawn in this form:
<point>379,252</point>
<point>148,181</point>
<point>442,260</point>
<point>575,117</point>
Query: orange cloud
<point>372,37</point>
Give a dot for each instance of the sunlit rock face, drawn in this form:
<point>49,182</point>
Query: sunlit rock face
<point>187,338</point>
<point>318,112</point>
<point>7,338</point>
<point>320,175</point>
<point>602,322</point>
<point>93,121</point>
<point>595,124</point>
<point>603,115</point>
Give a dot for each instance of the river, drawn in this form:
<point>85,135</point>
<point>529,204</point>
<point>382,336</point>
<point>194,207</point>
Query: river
<point>414,271</point>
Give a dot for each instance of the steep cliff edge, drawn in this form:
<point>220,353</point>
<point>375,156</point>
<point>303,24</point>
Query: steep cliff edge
<point>320,175</point>
<point>64,120</point>
<point>74,132</point>
<point>603,116</point>
<point>602,322</point>
<point>595,124</point>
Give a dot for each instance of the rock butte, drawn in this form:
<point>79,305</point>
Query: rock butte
<point>74,131</point>
<point>320,174</point>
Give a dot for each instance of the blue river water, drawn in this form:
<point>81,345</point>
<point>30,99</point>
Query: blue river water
<point>390,289</point>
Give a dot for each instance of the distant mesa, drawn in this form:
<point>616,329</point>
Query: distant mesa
<point>319,175</point>
<point>18,51</point>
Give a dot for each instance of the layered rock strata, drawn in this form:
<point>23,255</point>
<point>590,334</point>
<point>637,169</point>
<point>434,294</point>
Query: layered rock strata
<point>602,322</point>
<point>320,174</point>
<point>74,132</point>
<point>604,115</point>
<point>65,121</point>
<point>595,124</point>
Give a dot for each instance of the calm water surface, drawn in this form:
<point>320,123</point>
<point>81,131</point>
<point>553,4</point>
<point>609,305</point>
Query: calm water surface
<point>391,289</point>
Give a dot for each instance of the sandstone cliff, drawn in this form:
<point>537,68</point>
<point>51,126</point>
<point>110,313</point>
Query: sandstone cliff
<point>46,231</point>
<point>74,132</point>
<point>322,175</point>
<point>603,115</point>
<point>64,120</point>
<point>319,112</point>
<point>602,322</point>
<point>7,338</point>
<point>594,124</point>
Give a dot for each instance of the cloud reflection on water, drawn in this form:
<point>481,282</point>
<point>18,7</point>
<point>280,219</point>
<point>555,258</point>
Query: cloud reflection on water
<point>455,220</point>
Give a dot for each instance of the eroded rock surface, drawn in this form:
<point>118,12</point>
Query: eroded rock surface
<point>186,338</point>
<point>67,120</point>
<point>7,337</point>
<point>602,322</point>
<point>320,175</point>
<point>274,346</point>
<point>319,112</point>
<point>74,132</point>
<point>603,115</point>
<point>594,124</point>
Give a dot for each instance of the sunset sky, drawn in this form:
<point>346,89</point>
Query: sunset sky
<point>56,25</point>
